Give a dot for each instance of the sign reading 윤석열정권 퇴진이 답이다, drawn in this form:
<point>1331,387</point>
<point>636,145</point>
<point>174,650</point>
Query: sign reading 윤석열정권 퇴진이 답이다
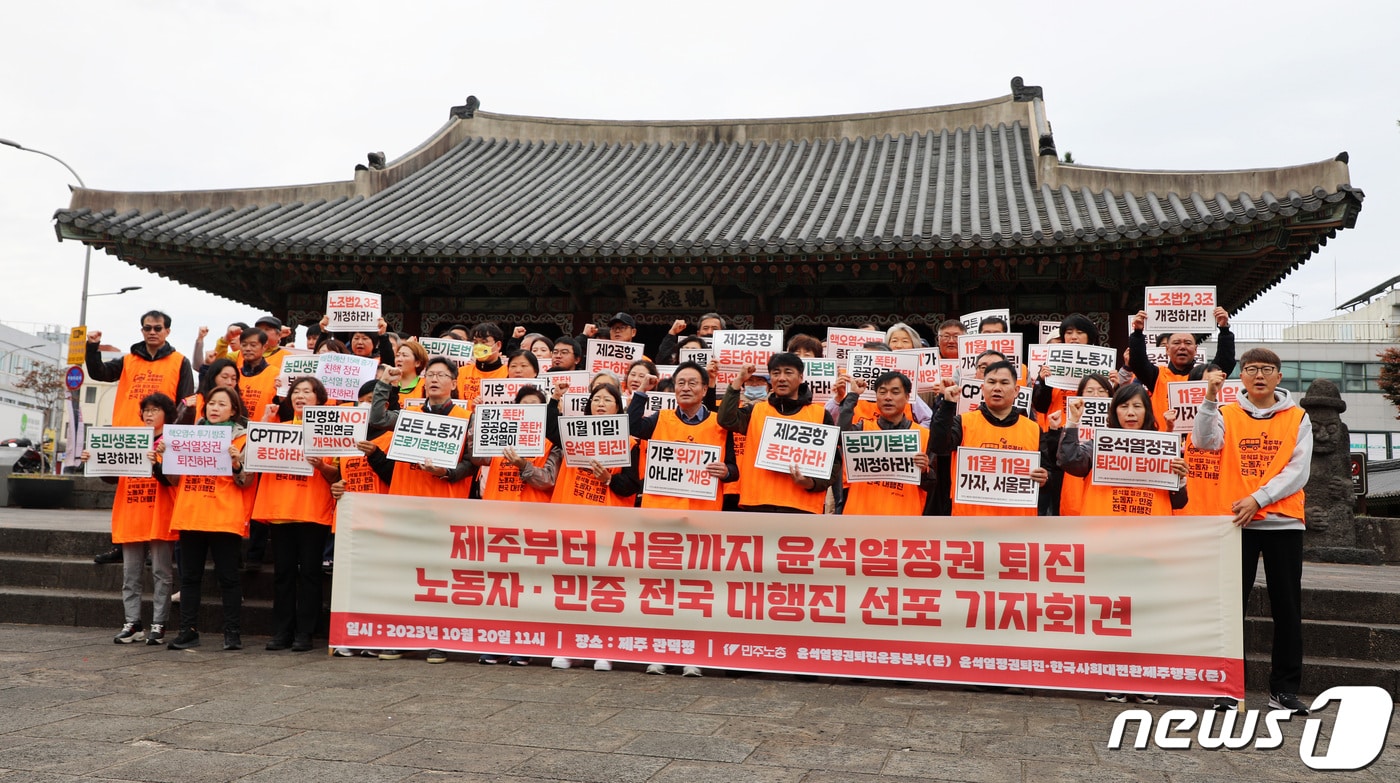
<point>1046,602</point>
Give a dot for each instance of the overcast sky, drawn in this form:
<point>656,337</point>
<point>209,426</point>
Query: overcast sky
<point>179,95</point>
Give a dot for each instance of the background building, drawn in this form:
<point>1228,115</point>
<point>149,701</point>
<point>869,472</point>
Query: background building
<point>25,347</point>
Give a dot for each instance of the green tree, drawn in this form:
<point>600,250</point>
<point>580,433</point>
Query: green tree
<point>1390,376</point>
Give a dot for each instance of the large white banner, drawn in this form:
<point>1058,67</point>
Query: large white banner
<point>1049,602</point>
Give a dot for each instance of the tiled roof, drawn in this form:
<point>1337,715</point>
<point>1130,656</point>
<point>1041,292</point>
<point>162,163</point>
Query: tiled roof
<point>977,175</point>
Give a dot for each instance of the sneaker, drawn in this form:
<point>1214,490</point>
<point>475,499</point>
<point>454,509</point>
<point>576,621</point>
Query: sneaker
<point>485,660</point>
<point>130,632</point>
<point>602,666</point>
<point>1225,704</point>
<point>1287,701</point>
<point>186,639</point>
<point>1145,698</point>
<point>232,641</point>
<point>371,653</point>
<point>656,668</point>
<point>390,655</point>
<point>343,652</point>
<point>560,663</point>
<point>113,555</point>
<point>518,660</point>
<point>1116,698</point>
<point>437,656</point>
<point>156,635</point>
<point>692,671</point>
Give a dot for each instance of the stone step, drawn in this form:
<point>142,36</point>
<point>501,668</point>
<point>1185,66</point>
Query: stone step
<point>71,573</point>
<point>1321,673</point>
<point>1374,606</point>
<point>1378,642</point>
<point>103,609</point>
<point>73,543</point>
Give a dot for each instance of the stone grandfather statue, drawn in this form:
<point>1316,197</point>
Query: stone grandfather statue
<point>1329,498</point>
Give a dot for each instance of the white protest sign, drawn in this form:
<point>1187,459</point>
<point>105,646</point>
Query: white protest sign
<point>604,438</point>
<point>1093,418</point>
<point>932,369</point>
<point>333,431</point>
<point>820,376</point>
<point>498,427</point>
<point>1180,308</point>
<point>420,437</point>
<point>197,451</point>
<point>1185,397</point>
<point>353,311</point>
<point>660,401</point>
<point>275,448</point>
<point>786,442</point>
<point>1136,458</point>
<point>1024,401</point>
<point>417,403</point>
<point>578,380</point>
<point>1036,355</point>
<point>1159,356</point>
<point>294,367</point>
<point>734,348</point>
<point>573,404</point>
<point>546,363</point>
<point>677,470</point>
<point>996,477</point>
<point>969,395</point>
<point>502,391</point>
<point>612,356</point>
<point>459,351</point>
<point>881,455</point>
<point>700,356</point>
<point>119,451</point>
<point>1048,330</point>
<point>840,342</point>
<point>869,365</point>
<point>1069,363</point>
<point>970,346</point>
<point>343,374</point>
<point>664,371</point>
<point>972,322</point>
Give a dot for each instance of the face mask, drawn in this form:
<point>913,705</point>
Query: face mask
<point>480,351</point>
<point>755,393</point>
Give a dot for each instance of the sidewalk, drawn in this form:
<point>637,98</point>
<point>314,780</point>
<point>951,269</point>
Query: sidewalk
<point>74,704</point>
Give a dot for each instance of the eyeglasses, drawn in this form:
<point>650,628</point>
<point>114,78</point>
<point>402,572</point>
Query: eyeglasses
<point>1181,343</point>
<point>152,328</point>
<point>948,335</point>
<point>1263,371</point>
<point>437,376</point>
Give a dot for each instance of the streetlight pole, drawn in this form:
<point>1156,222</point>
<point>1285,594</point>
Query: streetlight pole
<point>87,253</point>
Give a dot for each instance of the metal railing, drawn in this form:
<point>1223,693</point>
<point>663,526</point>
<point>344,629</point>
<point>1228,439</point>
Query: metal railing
<point>1316,331</point>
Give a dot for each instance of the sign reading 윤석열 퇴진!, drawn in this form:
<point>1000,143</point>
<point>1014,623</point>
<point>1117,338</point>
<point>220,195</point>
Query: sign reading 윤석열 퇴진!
<point>1047,602</point>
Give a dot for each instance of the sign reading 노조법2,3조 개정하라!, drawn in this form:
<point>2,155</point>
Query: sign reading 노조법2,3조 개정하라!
<point>869,365</point>
<point>1136,458</point>
<point>197,451</point>
<point>275,448</point>
<point>119,451</point>
<point>1185,397</point>
<point>1070,363</point>
<point>334,430</point>
<point>786,442</point>
<point>343,374</point>
<point>678,470</point>
<point>353,311</point>
<point>604,438</point>
<point>1179,308</point>
<point>613,356</point>
<point>841,341</point>
<point>421,437</point>
<point>1045,602</point>
<point>459,351</point>
<point>496,428</point>
<point>996,477</point>
<point>881,455</point>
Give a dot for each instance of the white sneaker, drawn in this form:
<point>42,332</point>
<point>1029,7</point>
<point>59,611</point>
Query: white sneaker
<point>560,663</point>
<point>602,666</point>
<point>692,671</point>
<point>656,668</point>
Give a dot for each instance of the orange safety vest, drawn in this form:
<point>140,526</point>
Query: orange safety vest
<point>469,380</point>
<point>979,433</point>
<point>761,487</point>
<point>140,378</point>
<point>274,355</point>
<point>410,479</point>
<point>141,511</point>
<point>669,427</point>
<point>286,498</point>
<point>1160,401</point>
<point>416,391</point>
<point>1072,495</point>
<point>740,446</point>
<point>257,391</point>
<point>1103,501</point>
<point>888,498</point>
<point>503,481</point>
<point>1257,450</point>
<point>358,476</point>
<point>214,504</point>
<point>1202,482</point>
<point>579,487</point>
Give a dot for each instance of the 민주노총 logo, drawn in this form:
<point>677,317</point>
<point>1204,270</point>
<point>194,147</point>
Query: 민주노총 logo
<point>1356,739</point>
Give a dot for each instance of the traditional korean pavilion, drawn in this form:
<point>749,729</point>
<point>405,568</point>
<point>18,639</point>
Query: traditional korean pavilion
<point>911,215</point>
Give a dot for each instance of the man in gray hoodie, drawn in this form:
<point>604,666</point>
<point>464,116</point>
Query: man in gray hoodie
<point>1266,445</point>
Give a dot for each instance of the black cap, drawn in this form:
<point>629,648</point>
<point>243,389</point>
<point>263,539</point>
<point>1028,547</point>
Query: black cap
<point>623,318</point>
<point>268,320</point>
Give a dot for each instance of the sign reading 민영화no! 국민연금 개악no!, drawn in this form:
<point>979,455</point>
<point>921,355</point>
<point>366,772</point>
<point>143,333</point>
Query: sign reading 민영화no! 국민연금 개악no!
<point>1065,602</point>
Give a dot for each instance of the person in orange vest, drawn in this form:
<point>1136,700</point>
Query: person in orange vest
<point>892,390</point>
<point>995,424</point>
<point>1265,441</point>
<point>1202,467</point>
<point>211,514</point>
<point>1181,357</point>
<point>439,386</point>
<point>486,361</point>
<point>1070,498</point>
<point>1075,329</point>
<point>300,511</point>
<point>690,422</point>
<point>594,485</point>
<point>766,490</point>
<point>411,359</point>
<point>513,477</point>
<point>220,372</point>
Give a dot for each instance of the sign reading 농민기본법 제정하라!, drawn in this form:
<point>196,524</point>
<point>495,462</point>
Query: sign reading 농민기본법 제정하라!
<point>1049,602</point>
